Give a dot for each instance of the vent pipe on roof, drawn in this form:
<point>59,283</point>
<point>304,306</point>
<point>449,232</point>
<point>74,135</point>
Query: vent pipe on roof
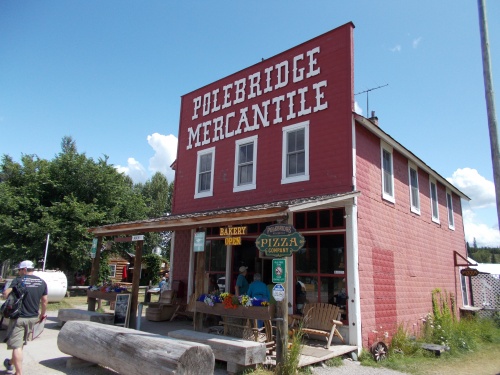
<point>373,118</point>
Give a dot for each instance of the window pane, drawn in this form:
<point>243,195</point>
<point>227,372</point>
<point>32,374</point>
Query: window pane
<point>245,164</point>
<point>333,291</point>
<point>332,254</point>
<point>324,219</point>
<point>296,152</point>
<point>307,257</point>
<point>387,166</point>
<point>215,256</point>
<point>338,218</point>
<point>451,220</point>
<point>434,200</point>
<point>414,188</point>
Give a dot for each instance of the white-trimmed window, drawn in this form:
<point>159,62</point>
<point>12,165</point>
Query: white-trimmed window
<point>387,173</point>
<point>112,270</point>
<point>245,164</point>
<point>295,162</point>
<point>434,201</point>
<point>449,203</point>
<point>205,173</point>
<point>414,190</point>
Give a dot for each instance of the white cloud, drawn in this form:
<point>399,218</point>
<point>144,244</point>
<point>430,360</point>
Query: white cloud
<point>165,147</point>
<point>484,234</point>
<point>358,109</point>
<point>416,42</point>
<point>482,195</point>
<point>479,189</point>
<point>165,152</point>
<point>134,170</point>
<point>396,48</point>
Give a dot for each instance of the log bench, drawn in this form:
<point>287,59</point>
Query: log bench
<point>65,315</point>
<point>131,352</point>
<point>239,354</point>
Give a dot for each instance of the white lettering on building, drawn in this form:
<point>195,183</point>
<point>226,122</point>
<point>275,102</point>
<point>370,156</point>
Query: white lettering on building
<point>292,105</point>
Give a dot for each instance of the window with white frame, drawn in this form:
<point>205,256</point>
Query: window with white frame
<point>295,162</point>
<point>112,270</point>
<point>414,191</point>
<point>434,201</point>
<point>387,173</point>
<point>245,164</point>
<point>205,173</point>
<point>449,203</point>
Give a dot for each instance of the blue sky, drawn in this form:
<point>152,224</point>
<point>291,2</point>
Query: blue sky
<point>111,73</point>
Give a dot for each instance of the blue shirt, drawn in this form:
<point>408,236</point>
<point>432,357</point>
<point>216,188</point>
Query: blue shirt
<point>242,283</point>
<point>259,290</point>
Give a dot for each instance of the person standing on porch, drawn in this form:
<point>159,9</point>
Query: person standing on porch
<point>242,282</point>
<point>258,289</point>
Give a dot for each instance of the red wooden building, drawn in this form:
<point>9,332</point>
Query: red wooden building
<point>279,142</point>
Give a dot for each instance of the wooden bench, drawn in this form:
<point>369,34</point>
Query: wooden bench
<point>131,352</point>
<point>238,353</point>
<point>320,319</point>
<point>65,315</point>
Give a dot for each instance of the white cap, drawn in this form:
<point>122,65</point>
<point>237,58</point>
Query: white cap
<point>25,264</point>
<point>243,268</point>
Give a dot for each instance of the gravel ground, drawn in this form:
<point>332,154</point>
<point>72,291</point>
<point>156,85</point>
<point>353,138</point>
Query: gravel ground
<point>353,368</point>
<point>42,357</point>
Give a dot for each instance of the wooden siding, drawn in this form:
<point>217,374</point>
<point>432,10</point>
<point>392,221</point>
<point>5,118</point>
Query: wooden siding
<point>403,256</point>
<point>330,133</point>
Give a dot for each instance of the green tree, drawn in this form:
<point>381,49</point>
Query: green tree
<point>63,197</point>
<point>157,193</point>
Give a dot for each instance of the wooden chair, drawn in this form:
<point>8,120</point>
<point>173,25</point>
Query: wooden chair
<point>164,309</point>
<point>320,319</point>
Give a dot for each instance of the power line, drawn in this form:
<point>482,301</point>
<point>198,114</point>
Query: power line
<point>367,91</point>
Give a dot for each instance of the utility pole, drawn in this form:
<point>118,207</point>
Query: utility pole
<point>490,101</point>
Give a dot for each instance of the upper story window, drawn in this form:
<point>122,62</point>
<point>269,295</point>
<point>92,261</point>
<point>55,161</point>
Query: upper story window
<point>449,203</point>
<point>434,201</point>
<point>414,191</point>
<point>295,162</point>
<point>387,173</point>
<point>205,173</point>
<point>245,164</point>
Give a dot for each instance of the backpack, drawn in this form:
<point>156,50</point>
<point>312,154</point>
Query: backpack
<point>11,308</point>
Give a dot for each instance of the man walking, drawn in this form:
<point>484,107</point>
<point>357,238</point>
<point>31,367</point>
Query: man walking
<point>36,292</point>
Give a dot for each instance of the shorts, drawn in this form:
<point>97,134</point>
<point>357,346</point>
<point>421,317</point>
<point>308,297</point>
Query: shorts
<point>19,329</point>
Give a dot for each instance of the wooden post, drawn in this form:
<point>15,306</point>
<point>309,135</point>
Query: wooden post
<point>135,285</point>
<point>282,328</point>
<point>94,273</point>
<point>199,287</point>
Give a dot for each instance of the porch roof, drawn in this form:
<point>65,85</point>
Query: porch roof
<point>232,216</point>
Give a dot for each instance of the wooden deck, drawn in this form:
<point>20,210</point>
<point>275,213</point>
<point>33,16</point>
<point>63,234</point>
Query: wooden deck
<point>314,353</point>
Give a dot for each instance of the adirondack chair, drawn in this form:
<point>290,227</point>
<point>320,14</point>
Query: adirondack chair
<point>321,319</point>
<point>164,309</point>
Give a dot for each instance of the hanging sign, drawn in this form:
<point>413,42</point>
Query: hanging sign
<point>280,240</point>
<point>469,272</point>
<point>232,235</point>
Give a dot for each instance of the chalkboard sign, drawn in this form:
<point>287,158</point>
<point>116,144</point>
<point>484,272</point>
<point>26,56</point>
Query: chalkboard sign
<point>122,306</point>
